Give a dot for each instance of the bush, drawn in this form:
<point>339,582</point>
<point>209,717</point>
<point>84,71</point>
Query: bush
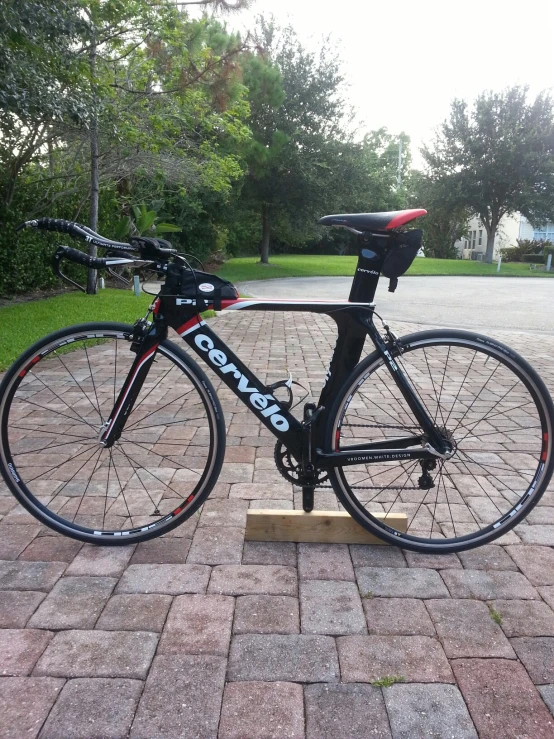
<point>511,254</point>
<point>548,249</point>
<point>533,258</point>
<point>524,246</point>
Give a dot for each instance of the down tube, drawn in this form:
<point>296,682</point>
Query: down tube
<point>253,393</point>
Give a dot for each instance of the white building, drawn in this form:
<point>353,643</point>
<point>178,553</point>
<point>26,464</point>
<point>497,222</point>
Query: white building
<point>511,228</point>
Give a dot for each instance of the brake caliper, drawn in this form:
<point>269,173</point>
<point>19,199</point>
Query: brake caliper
<point>140,330</point>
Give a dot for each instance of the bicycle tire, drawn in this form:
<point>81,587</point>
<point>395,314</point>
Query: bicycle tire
<point>96,337</point>
<point>512,365</point>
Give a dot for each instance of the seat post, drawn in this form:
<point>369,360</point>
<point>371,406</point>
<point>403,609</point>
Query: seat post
<point>371,253</point>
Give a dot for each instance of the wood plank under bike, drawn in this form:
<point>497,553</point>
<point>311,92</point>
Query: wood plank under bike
<point>324,527</point>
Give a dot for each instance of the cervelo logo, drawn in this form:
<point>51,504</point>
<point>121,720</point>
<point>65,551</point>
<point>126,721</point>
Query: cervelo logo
<point>259,401</point>
<point>367,271</point>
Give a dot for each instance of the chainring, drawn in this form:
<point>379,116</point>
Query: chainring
<point>289,469</point>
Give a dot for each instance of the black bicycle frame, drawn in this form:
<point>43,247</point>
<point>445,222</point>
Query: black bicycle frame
<point>354,319</point>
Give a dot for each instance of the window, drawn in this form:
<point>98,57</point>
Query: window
<point>544,233</point>
<point>467,244</point>
<point>480,236</point>
<point>474,234</point>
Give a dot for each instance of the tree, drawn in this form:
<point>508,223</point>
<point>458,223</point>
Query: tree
<point>497,157</point>
<point>222,6</point>
<point>129,95</point>
<point>445,222</point>
<point>296,111</point>
<point>40,78</point>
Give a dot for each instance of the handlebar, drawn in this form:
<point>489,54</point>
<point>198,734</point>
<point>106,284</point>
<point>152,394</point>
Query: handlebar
<point>150,250</point>
<point>74,255</point>
<point>77,230</point>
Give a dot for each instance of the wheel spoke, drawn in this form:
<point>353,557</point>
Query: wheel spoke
<point>473,388</point>
<point>127,489</point>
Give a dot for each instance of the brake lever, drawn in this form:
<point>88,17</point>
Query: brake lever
<point>56,260</point>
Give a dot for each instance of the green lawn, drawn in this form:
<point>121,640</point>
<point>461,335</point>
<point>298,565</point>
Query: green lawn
<point>23,323</point>
<point>299,265</point>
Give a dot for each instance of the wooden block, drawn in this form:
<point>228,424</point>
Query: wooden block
<point>326,527</point>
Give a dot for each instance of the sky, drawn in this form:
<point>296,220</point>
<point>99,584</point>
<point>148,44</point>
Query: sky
<point>405,61</point>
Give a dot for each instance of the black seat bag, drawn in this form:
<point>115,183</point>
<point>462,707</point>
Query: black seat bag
<point>402,252</point>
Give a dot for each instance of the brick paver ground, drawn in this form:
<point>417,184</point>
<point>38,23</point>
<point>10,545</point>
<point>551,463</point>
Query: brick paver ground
<point>199,634</point>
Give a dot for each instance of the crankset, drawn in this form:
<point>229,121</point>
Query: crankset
<point>289,468</point>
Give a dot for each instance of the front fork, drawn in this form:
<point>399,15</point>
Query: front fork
<point>145,342</point>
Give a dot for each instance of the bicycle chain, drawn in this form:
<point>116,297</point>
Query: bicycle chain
<point>379,426</point>
<point>372,487</point>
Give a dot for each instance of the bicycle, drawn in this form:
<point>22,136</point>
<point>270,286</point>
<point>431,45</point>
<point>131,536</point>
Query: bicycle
<point>112,434</point>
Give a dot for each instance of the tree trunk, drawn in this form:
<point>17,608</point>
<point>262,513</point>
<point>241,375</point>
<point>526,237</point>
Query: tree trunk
<point>50,158</point>
<point>491,234</point>
<point>92,287</point>
<point>266,232</point>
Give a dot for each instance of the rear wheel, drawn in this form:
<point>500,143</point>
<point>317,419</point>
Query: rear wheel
<point>491,404</point>
<point>53,403</point>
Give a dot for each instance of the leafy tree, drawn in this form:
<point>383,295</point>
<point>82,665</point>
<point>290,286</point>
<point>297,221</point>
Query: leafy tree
<point>296,110</point>
<point>39,81</point>
<point>221,6</point>
<point>497,157</point>
<point>445,222</point>
<point>162,112</point>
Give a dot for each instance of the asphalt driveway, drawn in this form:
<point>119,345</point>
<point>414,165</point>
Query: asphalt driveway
<point>488,303</point>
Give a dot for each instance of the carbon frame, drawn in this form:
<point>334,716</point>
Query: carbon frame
<point>354,319</point>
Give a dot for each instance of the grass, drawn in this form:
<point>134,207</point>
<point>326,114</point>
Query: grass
<point>300,265</point>
<point>496,616</point>
<point>388,680</point>
<point>369,595</point>
<point>24,323</point>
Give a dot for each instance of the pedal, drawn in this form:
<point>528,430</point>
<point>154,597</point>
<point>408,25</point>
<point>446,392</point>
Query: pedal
<point>311,413</point>
<point>307,498</point>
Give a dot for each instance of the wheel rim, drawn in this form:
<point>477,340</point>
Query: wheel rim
<point>52,418</point>
<point>500,431</point>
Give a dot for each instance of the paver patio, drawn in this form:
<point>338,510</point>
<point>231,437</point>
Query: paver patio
<point>200,634</point>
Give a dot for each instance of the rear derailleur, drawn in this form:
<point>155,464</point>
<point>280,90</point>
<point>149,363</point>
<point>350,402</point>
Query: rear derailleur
<point>426,482</point>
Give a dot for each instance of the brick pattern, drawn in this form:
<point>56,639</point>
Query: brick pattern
<point>204,634</point>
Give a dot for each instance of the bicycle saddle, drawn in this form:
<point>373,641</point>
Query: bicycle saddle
<point>373,221</point>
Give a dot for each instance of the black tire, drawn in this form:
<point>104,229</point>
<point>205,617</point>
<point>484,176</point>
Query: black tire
<point>75,401</point>
<point>476,477</point>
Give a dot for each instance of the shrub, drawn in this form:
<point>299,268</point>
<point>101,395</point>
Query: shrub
<point>533,258</point>
<point>548,249</point>
<point>524,246</point>
<point>511,254</point>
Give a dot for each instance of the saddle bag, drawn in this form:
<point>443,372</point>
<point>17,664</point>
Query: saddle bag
<point>400,256</point>
<point>199,287</point>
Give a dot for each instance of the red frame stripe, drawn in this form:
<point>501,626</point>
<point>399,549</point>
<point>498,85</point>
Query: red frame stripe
<point>189,324</point>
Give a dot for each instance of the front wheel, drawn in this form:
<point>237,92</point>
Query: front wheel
<point>495,410</point>
<point>54,403</point>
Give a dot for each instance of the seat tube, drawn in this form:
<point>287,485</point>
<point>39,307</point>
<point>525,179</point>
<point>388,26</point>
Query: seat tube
<point>371,253</point>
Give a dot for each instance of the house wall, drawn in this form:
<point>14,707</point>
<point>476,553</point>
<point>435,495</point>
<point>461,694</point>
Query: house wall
<point>511,228</point>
